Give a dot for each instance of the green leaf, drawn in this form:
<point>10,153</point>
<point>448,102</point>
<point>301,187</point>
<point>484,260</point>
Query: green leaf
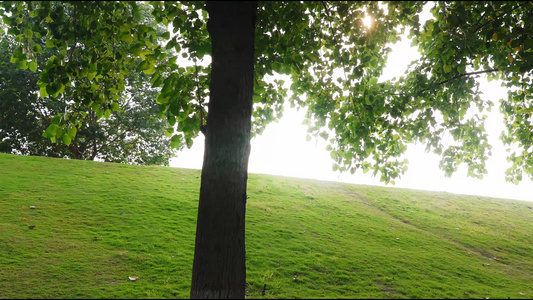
<point>447,68</point>
<point>50,131</point>
<point>324,135</point>
<point>37,48</point>
<point>99,113</point>
<point>13,31</point>
<point>175,141</point>
<point>143,53</point>
<point>56,120</point>
<point>91,75</point>
<point>66,139</point>
<point>312,56</point>
<point>150,70</point>
<point>127,38</point>
<point>161,99</point>
<point>42,92</point>
<point>135,49</point>
<point>333,155</point>
<point>7,20</point>
<point>72,132</point>
<point>22,64</point>
<point>32,66</point>
<point>14,58</point>
<point>189,142</point>
<point>171,120</point>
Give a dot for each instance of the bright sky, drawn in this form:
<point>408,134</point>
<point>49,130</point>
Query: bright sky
<point>283,150</point>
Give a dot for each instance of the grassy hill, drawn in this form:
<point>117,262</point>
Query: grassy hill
<point>95,224</point>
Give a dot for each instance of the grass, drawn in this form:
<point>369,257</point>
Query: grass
<point>98,223</point>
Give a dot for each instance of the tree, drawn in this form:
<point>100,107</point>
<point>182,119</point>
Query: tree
<point>132,135</point>
<point>334,61</point>
<point>464,41</point>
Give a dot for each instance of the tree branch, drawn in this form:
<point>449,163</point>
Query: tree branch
<point>451,79</point>
<point>465,74</point>
<point>95,150</point>
<point>326,7</point>
<point>504,13</point>
<point>481,18</point>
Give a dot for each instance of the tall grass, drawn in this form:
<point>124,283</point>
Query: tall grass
<point>96,224</point>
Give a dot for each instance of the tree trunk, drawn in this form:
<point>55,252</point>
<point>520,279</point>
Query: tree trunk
<point>219,269</point>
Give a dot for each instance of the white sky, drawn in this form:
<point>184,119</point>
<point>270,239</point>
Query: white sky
<point>283,150</point>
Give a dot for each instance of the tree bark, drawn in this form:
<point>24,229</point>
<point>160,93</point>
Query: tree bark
<point>219,269</point>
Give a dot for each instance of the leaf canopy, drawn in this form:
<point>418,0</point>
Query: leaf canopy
<point>133,134</point>
<point>332,58</point>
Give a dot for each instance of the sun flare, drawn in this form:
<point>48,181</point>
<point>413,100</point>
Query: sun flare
<point>367,21</point>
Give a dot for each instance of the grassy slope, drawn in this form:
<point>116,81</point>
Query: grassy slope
<point>98,223</point>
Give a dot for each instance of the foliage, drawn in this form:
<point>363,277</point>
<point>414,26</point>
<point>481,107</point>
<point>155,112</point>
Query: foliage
<point>333,60</point>
<point>21,112</point>
<point>464,40</point>
<point>133,134</point>
<point>335,241</point>
<point>117,41</point>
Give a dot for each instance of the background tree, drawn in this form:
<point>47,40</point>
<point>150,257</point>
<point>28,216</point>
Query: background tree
<point>334,61</point>
<point>134,134</point>
<point>21,110</point>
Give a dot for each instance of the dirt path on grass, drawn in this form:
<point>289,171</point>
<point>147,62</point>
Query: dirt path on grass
<point>362,199</point>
